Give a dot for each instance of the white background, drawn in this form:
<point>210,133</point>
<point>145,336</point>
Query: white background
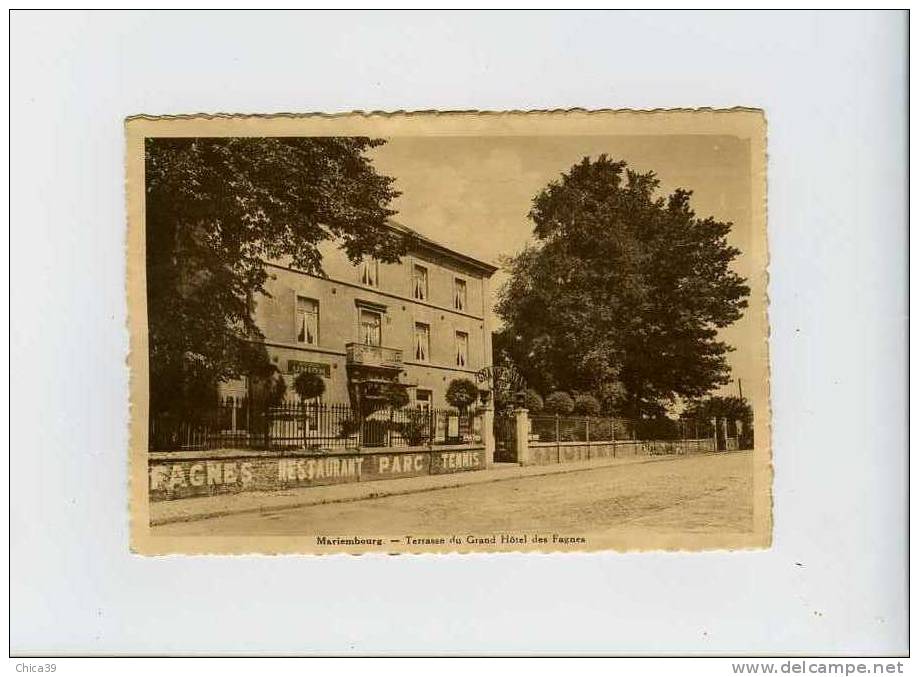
<point>834,90</point>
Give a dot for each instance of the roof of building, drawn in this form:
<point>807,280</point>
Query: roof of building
<point>428,243</point>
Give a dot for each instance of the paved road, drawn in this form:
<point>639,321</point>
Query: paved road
<point>696,493</point>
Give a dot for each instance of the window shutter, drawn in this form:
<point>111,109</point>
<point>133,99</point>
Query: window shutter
<point>294,314</point>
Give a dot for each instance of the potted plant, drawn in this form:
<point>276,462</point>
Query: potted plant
<point>396,397</point>
<point>308,386</point>
<point>461,393</point>
<point>416,428</point>
<point>349,429</point>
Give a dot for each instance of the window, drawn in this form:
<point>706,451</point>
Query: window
<point>420,283</point>
<point>459,294</point>
<point>423,399</point>
<point>371,323</point>
<point>307,321</point>
<point>462,349</point>
<point>370,272</point>
<point>422,342</point>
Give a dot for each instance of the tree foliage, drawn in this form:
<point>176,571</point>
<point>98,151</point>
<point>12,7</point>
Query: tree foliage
<point>559,402</point>
<point>309,385</point>
<point>461,393</point>
<point>586,405</point>
<point>533,401</point>
<point>267,389</point>
<point>216,209</point>
<point>623,293</point>
<point>720,406</point>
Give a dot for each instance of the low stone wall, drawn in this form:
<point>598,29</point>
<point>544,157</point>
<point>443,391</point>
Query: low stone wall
<point>187,474</point>
<point>665,447</point>
<point>546,453</point>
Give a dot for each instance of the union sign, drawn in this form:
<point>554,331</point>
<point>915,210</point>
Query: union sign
<point>298,367</point>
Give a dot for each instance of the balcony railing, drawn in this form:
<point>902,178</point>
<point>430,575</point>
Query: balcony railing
<point>374,356</point>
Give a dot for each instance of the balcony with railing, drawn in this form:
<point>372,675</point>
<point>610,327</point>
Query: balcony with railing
<point>380,357</point>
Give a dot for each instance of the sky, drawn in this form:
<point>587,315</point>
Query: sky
<point>473,195</point>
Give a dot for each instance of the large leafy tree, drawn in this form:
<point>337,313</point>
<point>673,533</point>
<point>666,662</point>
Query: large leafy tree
<point>734,409</point>
<point>623,292</point>
<point>216,209</point>
<point>720,406</point>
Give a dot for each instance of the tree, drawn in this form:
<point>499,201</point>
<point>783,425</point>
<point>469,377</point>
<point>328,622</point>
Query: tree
<point>266,391</point>
<point>216,209</point>
<point>720,406</point>
<point>461,393</point>
<point>624,292</point>
<point>657,427</point>
<point>611,395</point>
<point>309,386</point>
<point>729,407</point>
<point>533,401</point>
<point>586,405</point>
<point>267,388</point>
<point>559,402</point>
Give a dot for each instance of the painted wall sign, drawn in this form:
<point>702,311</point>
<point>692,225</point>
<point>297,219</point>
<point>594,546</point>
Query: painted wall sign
<point>309,469</point>
<point>300,367</point>
<point>183,479</point>
<point>456,461</point>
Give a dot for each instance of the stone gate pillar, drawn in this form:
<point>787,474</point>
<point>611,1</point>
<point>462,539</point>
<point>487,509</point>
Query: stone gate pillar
<point>522,435</point>
<point>488,434</point>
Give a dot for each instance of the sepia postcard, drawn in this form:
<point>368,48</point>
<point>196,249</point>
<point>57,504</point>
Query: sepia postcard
<point>448,332</point>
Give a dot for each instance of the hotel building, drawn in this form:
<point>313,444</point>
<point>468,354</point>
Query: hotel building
<point>421,322</point>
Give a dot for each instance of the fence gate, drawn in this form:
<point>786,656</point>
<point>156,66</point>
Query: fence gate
<point>505,438</point>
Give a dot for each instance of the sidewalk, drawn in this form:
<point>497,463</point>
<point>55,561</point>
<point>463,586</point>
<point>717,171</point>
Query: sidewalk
<point>191,509</point>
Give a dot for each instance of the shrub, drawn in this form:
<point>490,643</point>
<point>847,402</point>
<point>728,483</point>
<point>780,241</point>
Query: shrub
<point>309,386</point>
<point>267,390</point>
<point>658,428</point>
<point>586,405</point>
<point>559,402</point>
<point>348,427</point>
<point>532,400</point>
<point>461,393</point>
<point>416,428</point>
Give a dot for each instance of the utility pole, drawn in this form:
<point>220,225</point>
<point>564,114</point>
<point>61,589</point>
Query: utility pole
<point>740,388</point>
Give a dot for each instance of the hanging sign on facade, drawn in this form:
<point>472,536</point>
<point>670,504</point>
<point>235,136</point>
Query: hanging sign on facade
<point>299,367</point>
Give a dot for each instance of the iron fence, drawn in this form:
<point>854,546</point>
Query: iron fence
<point>311,426</point>
<point>557,429</point>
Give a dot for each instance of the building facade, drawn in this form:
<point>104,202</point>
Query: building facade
<point>418,323</point>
